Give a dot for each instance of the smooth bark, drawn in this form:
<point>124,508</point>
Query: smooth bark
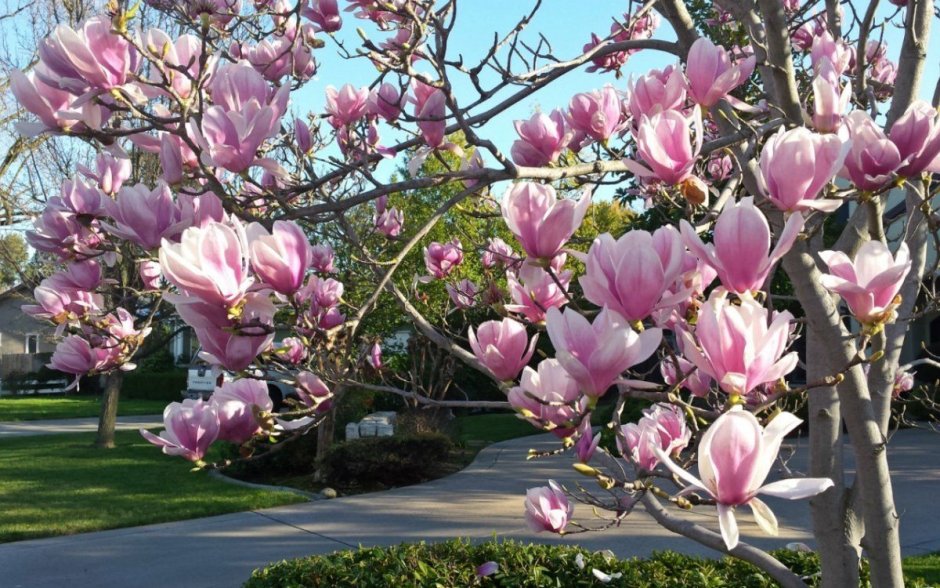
<point>109,404</point>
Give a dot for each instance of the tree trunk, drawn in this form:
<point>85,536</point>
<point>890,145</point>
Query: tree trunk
<point>325,433</point>
<point>836,526</point>
<point>109,406</point>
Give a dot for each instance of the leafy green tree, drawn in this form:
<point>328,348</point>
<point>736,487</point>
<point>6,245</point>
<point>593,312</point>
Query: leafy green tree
<point>13,257</point>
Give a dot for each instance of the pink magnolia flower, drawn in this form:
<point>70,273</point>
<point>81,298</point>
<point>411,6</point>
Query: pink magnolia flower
<point>375,356</point>
<point>430,111</point>
<point>734,457</point>
<point>52,105</point>
<point>542,139</point>
<point>441,259</point>
<point>112,169</point>
<point>90,59</point>
<point>503,347</point>
<point>830,100</point>
<point>61,302</point>
<point>547,508</point>
<point>346,105</point>
<point>664,145</point>
<point>210,263</point>
<point>795,165</point>
<point>872,159</point>
<point>181,59</point>
<point>903,381</point>
<point>917,137</point>
<point>586,445</point>
<point>597,354</point>
<point>292,350</point>
<point>384,101</point>
<point>831,51</point>
<point>59,231</point>
<point>741,252</point>
<point>534,291</point>
<point>540,221</point>
<point>280,258</point>
<point>633,274</point>
<point>737,345</point>
<point>498,253</point>
<point>549,398</point>
<point>236,403</point>
<point>82,199</point>
<point>656,91</point>
<point>145,216</point>
<point>218,12</point>
<point>661,427</point>
<point>191,427</point>
<point>871,283</point>
<point>232,350</point>
<point>695,381</point>
<point>313,391</point>
<point>463,294</point>
<point>75,355</point>
<point>389,222</point>
<point>597,114</point>
<point>324,14</point>
<point>321,259</point>
<point>710,73</point>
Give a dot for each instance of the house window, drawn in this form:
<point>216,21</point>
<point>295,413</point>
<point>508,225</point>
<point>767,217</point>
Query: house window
<point>32,343</point>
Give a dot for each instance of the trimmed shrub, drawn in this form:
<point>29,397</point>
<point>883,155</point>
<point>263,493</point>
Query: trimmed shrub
<point>154,385</point>
<point>295,457</point>
<point>379,462</point>
<point>454,563</point>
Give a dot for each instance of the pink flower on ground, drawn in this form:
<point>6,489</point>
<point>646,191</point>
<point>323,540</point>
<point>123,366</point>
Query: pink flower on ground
<point>710,73</point>
<point>441,259</point>
<point>741,252</point>
<point>596,114</point>
<point>280,258</point>
<point>547,508</point>
<point>796,165</point>
<point>664,145</point>
<point>871,283</point>
<point>735,456</point>
<point>236,403</point>
<point>503,347</point>
<point>191,427</point>
<point>597,354</point>
<point>872,159</point>
<point>737,345</point>
<point>633,274</point>
<point>210,263</point>
<point>534,291</point>
<point>549,398</point>
<point>540,221</point>
<point>542,139</point>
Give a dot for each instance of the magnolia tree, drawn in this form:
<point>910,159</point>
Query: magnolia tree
<point>772,146</point>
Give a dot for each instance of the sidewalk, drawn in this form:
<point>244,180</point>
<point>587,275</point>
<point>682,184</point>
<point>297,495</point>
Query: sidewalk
<point>9,430</point>
<point>482,501</point>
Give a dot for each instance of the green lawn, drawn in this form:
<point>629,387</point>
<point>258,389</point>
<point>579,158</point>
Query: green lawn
<point>31,408</point>
<point>489,428</point>
<point>59,485</point>
<point>923,567</point>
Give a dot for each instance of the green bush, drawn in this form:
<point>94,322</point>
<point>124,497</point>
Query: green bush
<point>385,461</point>
<point>294,457</point>
<point>454,563</point>
<point>145,385</point>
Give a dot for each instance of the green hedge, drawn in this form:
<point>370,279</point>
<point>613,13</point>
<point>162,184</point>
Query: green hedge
<point>454,563</point>
<point>154,385</point>
<point>379,462</point>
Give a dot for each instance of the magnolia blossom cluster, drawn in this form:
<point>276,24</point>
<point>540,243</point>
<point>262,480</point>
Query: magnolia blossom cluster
<point>235,412</point>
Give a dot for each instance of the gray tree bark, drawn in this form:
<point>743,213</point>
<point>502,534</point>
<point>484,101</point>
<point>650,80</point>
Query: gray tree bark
<point>109,405</point>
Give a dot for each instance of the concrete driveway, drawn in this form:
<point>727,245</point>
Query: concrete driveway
<point>9,430</point>
<point>482,501</point>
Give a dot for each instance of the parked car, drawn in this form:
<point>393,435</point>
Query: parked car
<point>202,379</point>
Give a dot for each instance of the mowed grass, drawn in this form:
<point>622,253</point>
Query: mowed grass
<point>59,485</point>
<point>923,567</point>
<point>32,408</point>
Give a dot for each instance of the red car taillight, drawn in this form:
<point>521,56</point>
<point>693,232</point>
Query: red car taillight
<point>220,380</point>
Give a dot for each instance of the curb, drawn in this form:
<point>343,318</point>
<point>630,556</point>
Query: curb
<point>310,496</point>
